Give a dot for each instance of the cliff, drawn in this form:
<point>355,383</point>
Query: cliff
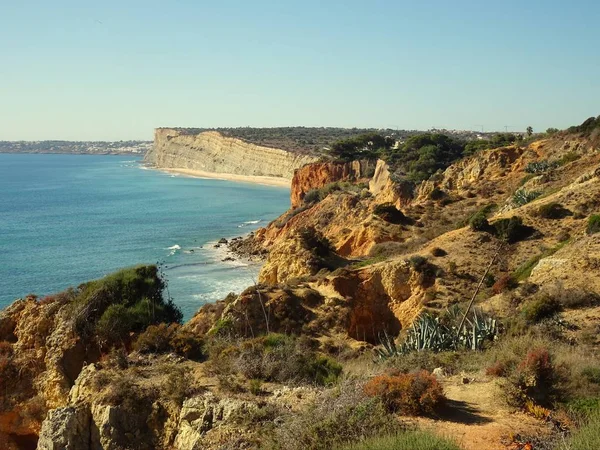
<point>209,151</point>
<point>353,266</point>
<point>318,175</point>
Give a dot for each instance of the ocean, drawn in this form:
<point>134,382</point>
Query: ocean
<point>66,219</point>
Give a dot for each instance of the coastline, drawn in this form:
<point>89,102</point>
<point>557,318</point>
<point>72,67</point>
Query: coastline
<point>255,179</point>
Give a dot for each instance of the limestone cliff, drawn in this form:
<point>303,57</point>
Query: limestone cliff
<point>317,175</point>
<point>209,151</point>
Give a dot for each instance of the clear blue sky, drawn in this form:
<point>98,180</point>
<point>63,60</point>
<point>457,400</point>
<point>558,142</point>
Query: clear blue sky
<point>117,69</point>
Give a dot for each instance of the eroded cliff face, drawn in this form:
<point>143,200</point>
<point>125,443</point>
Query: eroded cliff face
<point>356,303</point>
<point>317,175</point>
<point>210,151</point>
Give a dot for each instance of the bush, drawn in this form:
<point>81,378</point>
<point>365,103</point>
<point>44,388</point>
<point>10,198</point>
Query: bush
<point>593,224</point>
<point>273,357</point>
<point>338,416</point>
<point>314,240</point>
<point>507,282</point>
<point>412,393</point>
<point>535,379</point>
<point>567,158</point>
<point>553,211</point>
<point>539,166</point>
<point>163,338</point>
<point>479,222</point>
<point>312,196</point>
<point>511,230</point>
<point>125,302</point>
<point>407,440</point>
<point>391,214</point>
<point>540,307</point>
<point>438,252</point>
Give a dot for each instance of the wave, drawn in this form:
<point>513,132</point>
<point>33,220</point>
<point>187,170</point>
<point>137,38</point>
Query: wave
<point>249,222</point>
<point>175,247</point>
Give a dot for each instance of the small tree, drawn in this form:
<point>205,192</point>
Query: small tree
<point>529,131</point>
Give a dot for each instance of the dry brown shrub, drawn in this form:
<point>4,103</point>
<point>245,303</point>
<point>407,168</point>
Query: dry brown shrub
<point>415,394</point>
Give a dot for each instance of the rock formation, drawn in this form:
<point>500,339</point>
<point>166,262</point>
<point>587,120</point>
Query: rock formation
<point>209,151</point>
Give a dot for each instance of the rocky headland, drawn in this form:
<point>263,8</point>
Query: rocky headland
<point>352,333</point>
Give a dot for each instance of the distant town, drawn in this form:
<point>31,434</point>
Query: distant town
<point>77,147</point>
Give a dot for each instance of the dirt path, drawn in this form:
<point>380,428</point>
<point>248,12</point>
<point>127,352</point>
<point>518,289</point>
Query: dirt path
<point>477,419</point>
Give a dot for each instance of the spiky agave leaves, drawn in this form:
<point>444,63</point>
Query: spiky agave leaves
<point>441,334</point>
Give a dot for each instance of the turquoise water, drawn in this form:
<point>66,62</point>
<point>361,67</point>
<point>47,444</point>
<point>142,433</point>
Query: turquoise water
<point>66,219</point>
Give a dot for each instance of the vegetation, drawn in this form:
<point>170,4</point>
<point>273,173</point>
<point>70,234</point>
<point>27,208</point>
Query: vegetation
<point>442,334</point>
<point>391,214</point>
<point>409,394</point>
<point>317,195</point>
<point>407,440</point>
<point>553,211</point>
<point>567,158</point>
<point>593,225</point>
<point>524,270</point>
<point>537,167</point>
<point>540,307</point>
<point>417,159</point>
<point>587,127</point>
<point>126,301</point>
<point>523,196</point>
<point>499,140</point>
<point>511,229</point>
<point>478,221</point>
<point>163,338</point>
<point>272,357</point>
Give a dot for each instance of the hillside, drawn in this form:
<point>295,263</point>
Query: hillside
<point>360,333</point>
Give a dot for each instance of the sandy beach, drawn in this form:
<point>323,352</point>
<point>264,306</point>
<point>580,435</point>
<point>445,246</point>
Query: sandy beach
<point>269,181</point>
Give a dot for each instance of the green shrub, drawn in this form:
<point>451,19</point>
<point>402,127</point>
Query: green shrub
<point>592,374</point>
<point>587,437</point>
<point>312,196</point>
<point>568,158</point>
<point>511,230</point>
<point>593,224</point>
<point>125,302</point>
<point>391,214</point>
<point>406,440</point>
<point>581,409</point>
<point>540,307</point>
<point>553,211</point>
<point>314,240</point>
<point>489,280</point>
<point>255,387</point>
<point>163,338</point>
<point>479,222</point>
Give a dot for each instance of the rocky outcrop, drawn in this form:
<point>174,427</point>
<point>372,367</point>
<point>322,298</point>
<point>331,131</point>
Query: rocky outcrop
<point>479,172</point>
<point>66,428</point>
<point>387,190</point>
<point>317,175</point>
<point>210,151</point>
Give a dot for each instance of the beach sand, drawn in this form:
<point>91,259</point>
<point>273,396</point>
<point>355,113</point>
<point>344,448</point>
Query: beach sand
<point>269,181</point>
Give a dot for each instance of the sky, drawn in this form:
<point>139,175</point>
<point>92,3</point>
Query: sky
<point>115,70</point>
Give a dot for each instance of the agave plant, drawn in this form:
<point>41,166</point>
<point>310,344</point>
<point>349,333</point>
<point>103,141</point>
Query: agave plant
<point>441,333</point>
<point>523,196</point>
